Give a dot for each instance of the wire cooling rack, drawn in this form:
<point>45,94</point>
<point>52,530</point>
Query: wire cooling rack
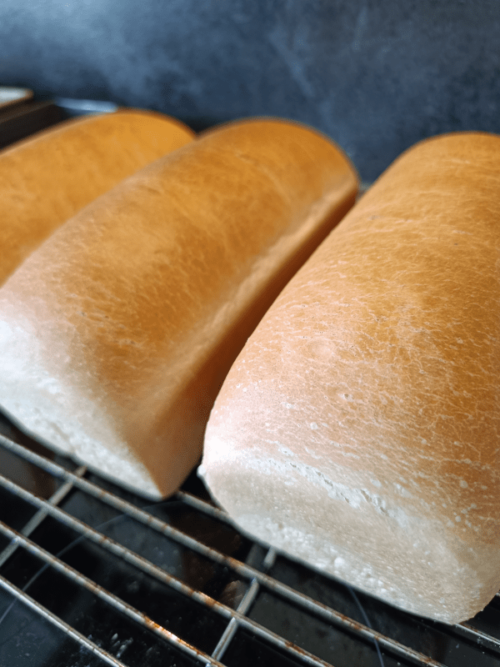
<point>92,575</point>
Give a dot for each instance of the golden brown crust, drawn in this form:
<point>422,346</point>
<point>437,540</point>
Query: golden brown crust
<point>46,179</point>
<point>373,382</point>
<point>143,300</point>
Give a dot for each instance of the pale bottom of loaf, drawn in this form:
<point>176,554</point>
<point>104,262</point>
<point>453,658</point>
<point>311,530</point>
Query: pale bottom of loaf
<point>65,416</point>
<point>51,428</point>
<point>407,561</point>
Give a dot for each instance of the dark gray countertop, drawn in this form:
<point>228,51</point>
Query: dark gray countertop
<point>375,76</point>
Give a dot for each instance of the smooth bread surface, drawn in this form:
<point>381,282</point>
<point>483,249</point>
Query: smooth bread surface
<point>359,428</point>
<point>116,334</point>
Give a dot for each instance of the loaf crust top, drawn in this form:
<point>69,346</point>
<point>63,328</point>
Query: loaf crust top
<point>48,178</point>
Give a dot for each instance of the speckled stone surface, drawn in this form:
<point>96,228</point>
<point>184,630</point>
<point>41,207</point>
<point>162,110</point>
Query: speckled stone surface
<point>374,76</point>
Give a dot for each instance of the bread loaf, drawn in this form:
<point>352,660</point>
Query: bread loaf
<point>358,429</point>
<point>46,179</point>
<point>116,334</point>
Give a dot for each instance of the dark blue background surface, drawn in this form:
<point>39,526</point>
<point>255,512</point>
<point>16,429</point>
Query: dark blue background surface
<point>374,75</point>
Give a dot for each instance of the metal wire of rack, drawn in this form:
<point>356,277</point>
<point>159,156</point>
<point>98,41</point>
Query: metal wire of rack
<point>91,577</point>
